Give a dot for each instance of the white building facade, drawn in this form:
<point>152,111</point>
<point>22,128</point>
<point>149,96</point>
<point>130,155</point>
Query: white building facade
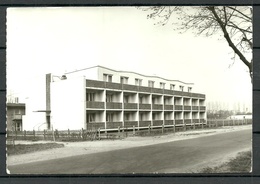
<point>99,97</point>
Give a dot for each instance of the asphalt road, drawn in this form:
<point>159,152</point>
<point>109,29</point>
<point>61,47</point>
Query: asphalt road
<point>168,157</point>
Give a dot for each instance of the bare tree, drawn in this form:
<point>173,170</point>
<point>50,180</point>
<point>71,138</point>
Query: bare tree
<point>232,23</point>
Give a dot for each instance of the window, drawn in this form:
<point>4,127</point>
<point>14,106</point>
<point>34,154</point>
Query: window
<point>90,97</point>
<point>126,117</point>
<point>172,86</point>
<point>189,89</point>
<point>151,84</point>
<point>109,117</point>
<point>140,99</point>
<point>107,77</point>
<point>181,88</point>
<point>141,117</point>
<point>124,80</point>
<point>154,116</point>
<point>90,117</point>
<point>16,111</point>
<point>126,99</point>
<point>138,82</point>
<point>109,97</point>
<point>162,85</point>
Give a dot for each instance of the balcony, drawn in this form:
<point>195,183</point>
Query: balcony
<point>111,85</point>
<point>203,121</point>
<point>178,122</point>
<point>178,107</point>
<point>144,123</point>
<point>95,84</point>
<point>17,117</point>
<point>130,124</point>
<point>168,92</point>
<point>113,105</point>
<point>130,106</point>
<point>187,107</point>
<point>95,125</point>
<point>114,125</point>
<point>195,108</point>
<point>95,105</point>
<point>186,94</point>
<point>177,93</point>
<point>187,121</point>
<point>195,120</point>
<point>168,107</point>
<point>168,122</point>
<point>130,87</point>
<point>157,90</point>
<point>157,122</point>
<point>145,106</point>
<point>202,108</point>
<point>201,96</point>
<point>144,89</point>
<point>157,106</point>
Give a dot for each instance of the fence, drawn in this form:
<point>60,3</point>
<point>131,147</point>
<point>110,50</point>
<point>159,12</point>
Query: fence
<point>119,132</point>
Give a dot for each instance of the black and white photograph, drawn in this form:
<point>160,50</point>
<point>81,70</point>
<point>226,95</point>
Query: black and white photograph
<point>129,90</point>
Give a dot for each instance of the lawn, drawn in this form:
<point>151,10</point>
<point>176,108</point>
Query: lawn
<point>28,148</point>
<point>240,164</point>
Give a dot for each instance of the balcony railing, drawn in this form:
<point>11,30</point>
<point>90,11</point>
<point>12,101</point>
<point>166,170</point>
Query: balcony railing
<point>113,105</point>
<point>195,108</point>
<point>177,93</point>
<point>168,107</point>
<point>168,122</point>
<point>114,125</point>
<point>95,105</point>
<point>95,125</point>
<point>178,121</point>
<point>202,108</point>
<point>130,87</point>
<point>130,106</point>
<point>145,106</point>
<point>168,92</point>
<point>111,85</point>
<point>184,93</point>
<point>202,121</point>
<point>178,107</point>
<point>157,106</point>
<point>157,122</point>
<point>96,84</point>
<point>187,107</point>
<point>195,120</point>
<point>144,123</point>
<point>187,121</point>
<point>17,117</point>
<point>131,123</point>
<point>144,89</point>
<point>157,90</point>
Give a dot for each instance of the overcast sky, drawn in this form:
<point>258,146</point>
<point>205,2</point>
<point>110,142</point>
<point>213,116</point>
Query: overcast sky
<point>58,40</point>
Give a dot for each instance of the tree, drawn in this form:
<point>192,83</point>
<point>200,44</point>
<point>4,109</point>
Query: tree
<point>232,23</point>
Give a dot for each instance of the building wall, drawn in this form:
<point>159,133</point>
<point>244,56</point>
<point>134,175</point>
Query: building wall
<point>68,104</point>
<point>14,116</point>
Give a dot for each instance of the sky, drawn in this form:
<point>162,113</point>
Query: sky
<point>59,40</point>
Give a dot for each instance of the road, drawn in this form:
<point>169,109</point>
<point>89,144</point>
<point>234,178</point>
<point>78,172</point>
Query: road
<point>170,157</point>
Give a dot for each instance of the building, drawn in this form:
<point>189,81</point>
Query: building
<point>14,112</point>
<point>99,97</point>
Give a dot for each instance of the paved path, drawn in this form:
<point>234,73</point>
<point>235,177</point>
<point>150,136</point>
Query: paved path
<point>171,157</point>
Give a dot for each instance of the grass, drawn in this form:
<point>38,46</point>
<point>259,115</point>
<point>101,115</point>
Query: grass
<point>29,148</point>
<point>240,164</point>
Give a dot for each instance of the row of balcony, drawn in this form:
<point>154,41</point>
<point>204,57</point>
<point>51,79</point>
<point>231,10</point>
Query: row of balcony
<point>117,105</point>
<point>119,86</point>
<point>113,125</point>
